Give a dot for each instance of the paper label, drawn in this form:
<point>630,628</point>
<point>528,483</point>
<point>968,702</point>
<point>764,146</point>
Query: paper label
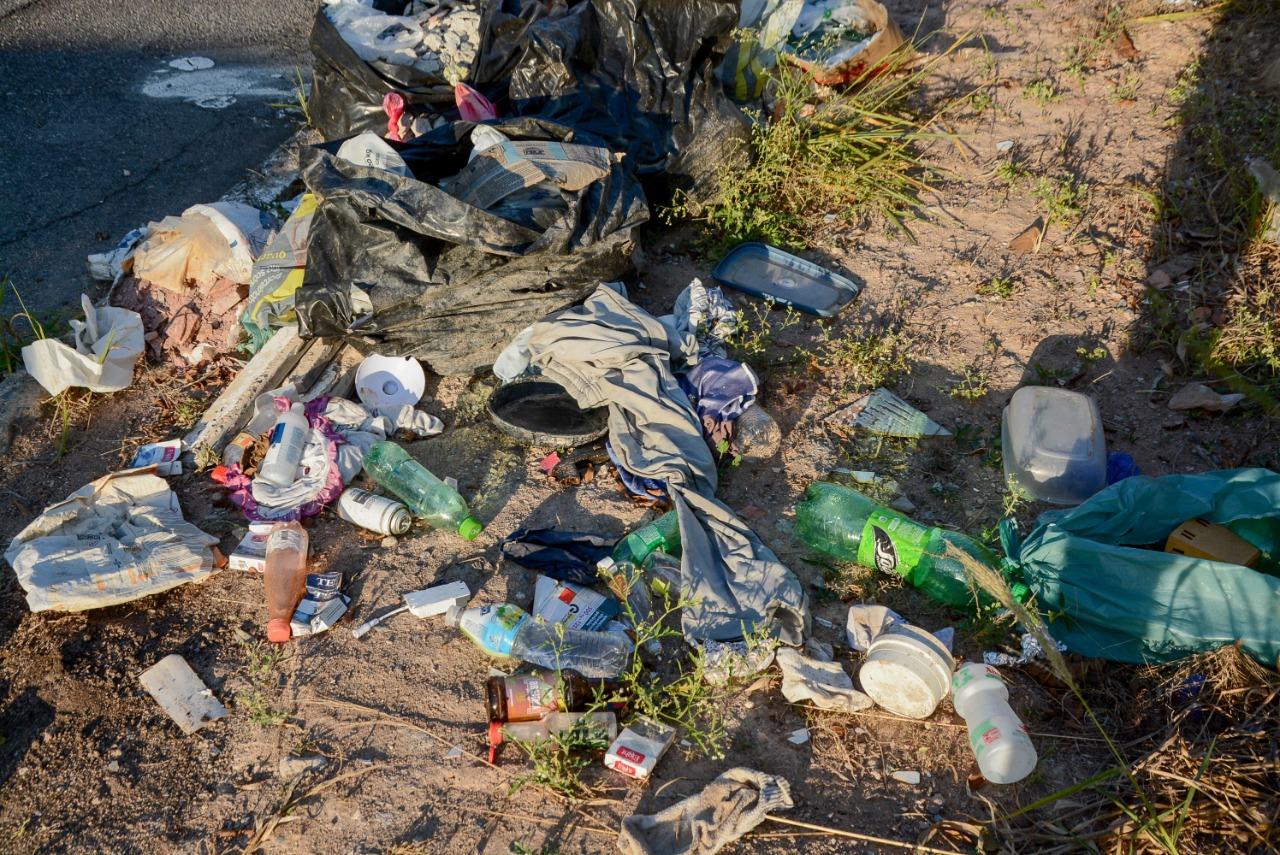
<point>572,605</point>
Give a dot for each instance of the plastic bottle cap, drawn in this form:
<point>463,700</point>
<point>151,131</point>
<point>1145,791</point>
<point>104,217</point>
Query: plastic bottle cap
<point>470,528</point>
<point>279,631</point>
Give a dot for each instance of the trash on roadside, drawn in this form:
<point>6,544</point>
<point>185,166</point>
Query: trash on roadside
<point>757,435</point>
<point>842,522</point>
<point>284,578</point>
<point>116,539</point>
<point>388,381</point>
<point>1199,539</point>
<point>825,684</point>
<point>532,695</point>
<point>724,661</point>
<point>997,736</point>
<point>539,412</point>
<point>882,412</point>
<point>1197,396</point>
<point>279,466</point>
<point>661,535</point>
<point>1053,445</point>
<point>322,605</point>
<point>841,41</point>
<point>1031,652</point>
<point>452,282</point>
<point>570,556</point>
<point>108,343</point>
<point>429,602</point>
<point>373,512</point>
<point>603,726</point>
<point>1123,602</point>
<point>763,27</point>
<point>181,694</point>
<point>574,606</point>
<point>165,456</point>
<point>639,747</point>
<point>907,671</point>
<point>505,630</point>
<point>775,276</point>
<point>372,151</point>
<point>704,316</point>
<point>112,265</point>
<point>729,807</point>
<point>277,274</point>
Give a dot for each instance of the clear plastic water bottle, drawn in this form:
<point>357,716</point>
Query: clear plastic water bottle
<point>426,495</point>
<point>844,523</point>
<point>661,534</point>
<point>507,630</point>
<point>998,737</point>
<point>757,434</point>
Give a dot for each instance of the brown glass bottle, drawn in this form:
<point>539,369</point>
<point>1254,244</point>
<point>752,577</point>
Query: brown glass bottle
<point>530,695</point>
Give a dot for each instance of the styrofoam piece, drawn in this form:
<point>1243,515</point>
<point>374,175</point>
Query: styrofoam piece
<point>181,693</point>
<point>390,381</point>
<point>437,600</point>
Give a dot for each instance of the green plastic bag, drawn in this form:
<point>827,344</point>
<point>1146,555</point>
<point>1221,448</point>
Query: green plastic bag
<point>1108,598</point>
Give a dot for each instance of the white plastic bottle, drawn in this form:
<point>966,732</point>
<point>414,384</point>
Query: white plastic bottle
<point>288,438</point>
<point>998,737</point>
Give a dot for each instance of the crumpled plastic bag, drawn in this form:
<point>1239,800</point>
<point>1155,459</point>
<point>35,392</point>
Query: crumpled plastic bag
<point>825,684</point>
<point>207,241</point>
<point>108,344</point>
<point>116,539</point>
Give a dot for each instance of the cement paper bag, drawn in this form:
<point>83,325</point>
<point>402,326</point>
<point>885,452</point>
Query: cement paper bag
<point>108,343</point>
<point>116,539</point>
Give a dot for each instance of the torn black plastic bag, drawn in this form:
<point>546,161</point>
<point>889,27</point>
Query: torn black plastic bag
<point>346,92</point>
<point>451,284</point>
<point>642,75</point>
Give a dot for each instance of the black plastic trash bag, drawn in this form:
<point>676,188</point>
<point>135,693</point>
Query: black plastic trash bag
<point>347,92</point>
<point>642,75</point>
<point>449,283</point>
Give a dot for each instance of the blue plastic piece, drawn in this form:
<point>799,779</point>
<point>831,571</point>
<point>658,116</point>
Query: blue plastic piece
<point>1120,466</point>
<point>769,273</point>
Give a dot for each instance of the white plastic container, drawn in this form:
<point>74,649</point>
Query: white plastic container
<point>1053,445</point>
<point>907,671</point>
<point>998,737</point>
<point>288,438</point>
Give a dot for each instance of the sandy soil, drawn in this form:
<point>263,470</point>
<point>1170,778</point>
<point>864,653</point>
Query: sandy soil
<point>89,763</point>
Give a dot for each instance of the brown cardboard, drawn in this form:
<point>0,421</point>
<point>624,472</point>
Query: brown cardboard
<point>1199,539</point>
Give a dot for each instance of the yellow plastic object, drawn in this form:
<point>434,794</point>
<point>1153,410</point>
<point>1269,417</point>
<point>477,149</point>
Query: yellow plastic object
<point>1199,539</point>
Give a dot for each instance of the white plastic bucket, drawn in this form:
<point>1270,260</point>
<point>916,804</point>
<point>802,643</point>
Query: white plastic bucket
<point>907,671</point>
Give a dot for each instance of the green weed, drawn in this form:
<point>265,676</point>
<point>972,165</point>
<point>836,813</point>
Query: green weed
<point>1062,198</point>
<point>981,101</point>
<point>1011,171</point>
<point>853,152</point>
<point>996,286</point>
<point>557,762</point>
<point>758,325</point>
<point>862,357</point>
<point>261,660</point>
<point>1127,88</point>
<point>972,386</point>
<point>1042,91</point>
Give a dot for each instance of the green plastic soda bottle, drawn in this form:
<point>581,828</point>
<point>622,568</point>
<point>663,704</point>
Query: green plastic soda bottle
<point>427,496</point>
<point>844,523</point>
<point>663,534</point>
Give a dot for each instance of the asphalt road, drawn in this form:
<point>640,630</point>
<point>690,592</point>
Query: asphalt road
<point>98,134</point>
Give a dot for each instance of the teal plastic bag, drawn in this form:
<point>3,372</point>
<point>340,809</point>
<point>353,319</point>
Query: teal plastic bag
<point>1108,598</point>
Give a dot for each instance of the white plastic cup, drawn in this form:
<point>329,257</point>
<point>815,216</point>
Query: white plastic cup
<point>998,737</point>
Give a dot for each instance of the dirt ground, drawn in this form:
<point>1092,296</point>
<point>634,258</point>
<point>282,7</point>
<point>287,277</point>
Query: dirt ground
<point>89,762</point>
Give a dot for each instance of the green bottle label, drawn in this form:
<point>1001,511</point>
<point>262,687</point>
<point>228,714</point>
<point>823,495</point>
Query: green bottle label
<point>894,544</point>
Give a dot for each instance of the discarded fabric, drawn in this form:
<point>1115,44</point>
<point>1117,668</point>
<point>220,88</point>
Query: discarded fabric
<point>825,684</point>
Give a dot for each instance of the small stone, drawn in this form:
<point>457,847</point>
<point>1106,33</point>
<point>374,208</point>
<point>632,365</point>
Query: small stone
<point>799,737</point>
<point>388,542</point>
<point>292,767</point>
<point>1004,145</point>
<point>454,753</point>
<point>906,777</point>
<point>113,767</point>
<point>1159,279</point>
<point>903,505</point>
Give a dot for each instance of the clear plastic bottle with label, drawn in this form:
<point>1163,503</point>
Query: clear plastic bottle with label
<point>507,630</point>
<point>284,453</point>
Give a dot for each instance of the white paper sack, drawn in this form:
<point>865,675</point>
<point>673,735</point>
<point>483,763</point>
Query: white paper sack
<point>108,343</point>
<point>116,539</point>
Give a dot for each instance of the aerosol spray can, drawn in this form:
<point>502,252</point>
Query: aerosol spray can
<point>374,512</point>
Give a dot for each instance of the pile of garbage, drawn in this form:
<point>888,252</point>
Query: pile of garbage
<point>453,230</point>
